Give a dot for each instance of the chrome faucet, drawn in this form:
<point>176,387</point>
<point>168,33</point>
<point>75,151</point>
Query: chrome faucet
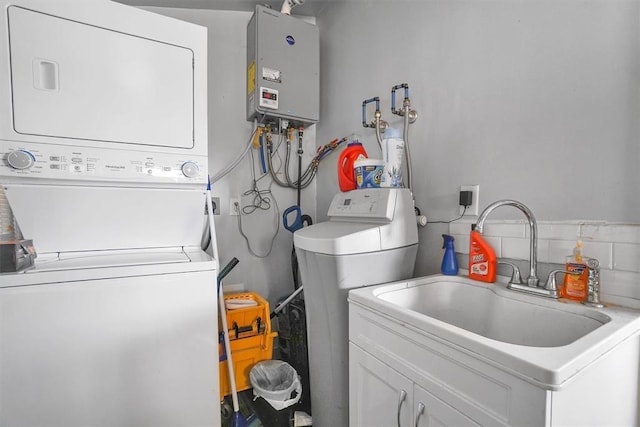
<point>532,285</point>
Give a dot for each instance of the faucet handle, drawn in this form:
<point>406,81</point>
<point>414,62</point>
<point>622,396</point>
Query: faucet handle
<point>515,275</point>
<point>552,284</point>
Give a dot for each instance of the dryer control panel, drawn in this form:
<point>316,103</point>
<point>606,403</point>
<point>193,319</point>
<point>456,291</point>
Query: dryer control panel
<point>83,163</point>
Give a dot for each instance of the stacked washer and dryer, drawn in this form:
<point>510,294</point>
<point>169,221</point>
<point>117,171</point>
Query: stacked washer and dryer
<point>371,237</point>
<point>103,164</point>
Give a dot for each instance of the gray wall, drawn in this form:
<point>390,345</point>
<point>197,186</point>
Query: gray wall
<point>229,133</point>
<point>536,100</point>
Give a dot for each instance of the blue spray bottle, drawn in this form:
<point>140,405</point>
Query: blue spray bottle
<point>449,261</point>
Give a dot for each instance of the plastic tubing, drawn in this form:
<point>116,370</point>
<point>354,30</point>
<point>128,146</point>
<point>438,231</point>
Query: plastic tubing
<point>217,177</point>
<point>405,131</point>
<point>306,178</point>
<point>377,119</point>
<point>364,109</point>
<point>393,95</point>
<point>407,150</point>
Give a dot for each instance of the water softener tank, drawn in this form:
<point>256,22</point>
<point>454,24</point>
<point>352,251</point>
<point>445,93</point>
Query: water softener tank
<point>371,238</point>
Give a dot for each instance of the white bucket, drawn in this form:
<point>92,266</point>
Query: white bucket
<point>368,172</point>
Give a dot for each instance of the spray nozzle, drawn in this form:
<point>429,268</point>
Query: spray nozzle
<point>447,240</point>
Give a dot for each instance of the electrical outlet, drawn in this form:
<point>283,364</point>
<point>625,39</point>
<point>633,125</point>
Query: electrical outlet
<point>472,210</point>
<point>234,206</point>
<point>215,203</point>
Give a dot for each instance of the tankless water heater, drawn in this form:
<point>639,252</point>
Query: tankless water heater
<point>283,61</point>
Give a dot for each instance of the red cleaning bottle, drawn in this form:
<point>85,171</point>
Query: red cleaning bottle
<point>346,175</point>
<point>482,259</point>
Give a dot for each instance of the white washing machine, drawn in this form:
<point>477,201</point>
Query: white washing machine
<point>371,238</point>
<point>103,167</point>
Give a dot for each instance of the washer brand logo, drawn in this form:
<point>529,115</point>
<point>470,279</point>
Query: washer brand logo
<point>290,40</point>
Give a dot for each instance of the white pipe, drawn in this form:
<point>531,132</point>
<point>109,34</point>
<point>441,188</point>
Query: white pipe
<point>287,5</point>
<point>217,177</point>
<point>223,311</point>
<point>287,301</point>
<point>407,149</point>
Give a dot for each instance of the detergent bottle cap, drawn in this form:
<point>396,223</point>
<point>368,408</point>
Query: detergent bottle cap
<point>390,133</point>
<point>354,138</point>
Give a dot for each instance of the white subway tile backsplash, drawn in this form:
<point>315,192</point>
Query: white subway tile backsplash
<point>459,228</point>
<point>559,250</point>
<point>626,257</point>
<point>620,287</point>
<point>515,248</point>
<point>620,233</point>
<point>461,243</point>
<point>603,252</point>
<point>496,244</point>
<point>616,246</point>
<point>543,250</point>
<point>558,231</point>
<point>506,229</point>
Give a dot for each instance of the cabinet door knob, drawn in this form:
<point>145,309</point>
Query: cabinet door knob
<point>419,413</point>
<point>401,398</point>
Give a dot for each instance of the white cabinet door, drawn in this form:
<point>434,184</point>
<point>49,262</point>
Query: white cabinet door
<point>429,411</point>
<point>378,395</point>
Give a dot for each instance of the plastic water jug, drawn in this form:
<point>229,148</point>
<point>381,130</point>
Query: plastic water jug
<point>392,154</point>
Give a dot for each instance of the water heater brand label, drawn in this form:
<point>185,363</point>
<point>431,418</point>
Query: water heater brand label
<point>271,75</point>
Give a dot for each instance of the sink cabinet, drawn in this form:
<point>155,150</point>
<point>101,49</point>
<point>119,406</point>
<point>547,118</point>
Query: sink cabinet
<point>446,384</point>
<point>381,396</point>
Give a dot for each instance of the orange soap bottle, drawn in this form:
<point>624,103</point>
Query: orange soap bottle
<point>574,285</point>
<point>482,259</point>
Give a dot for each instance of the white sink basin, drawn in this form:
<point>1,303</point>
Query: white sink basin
<point>542,340</point>
<point>480,309</point>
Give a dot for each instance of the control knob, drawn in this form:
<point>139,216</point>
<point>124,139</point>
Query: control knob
<point>21,159</point>
<point>190,169</point>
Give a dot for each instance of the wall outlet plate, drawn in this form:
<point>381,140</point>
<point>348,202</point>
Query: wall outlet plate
<point>215,203</point>
<point>234,206</point>
<point>475,200</point>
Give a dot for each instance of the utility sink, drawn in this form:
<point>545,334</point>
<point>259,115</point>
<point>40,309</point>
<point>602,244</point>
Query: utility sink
<point>478,308</point>
<point>543,340</point>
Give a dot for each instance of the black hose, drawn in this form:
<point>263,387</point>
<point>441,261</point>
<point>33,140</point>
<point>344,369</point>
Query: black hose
<point>227,269</point>
<point>300,152</point>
